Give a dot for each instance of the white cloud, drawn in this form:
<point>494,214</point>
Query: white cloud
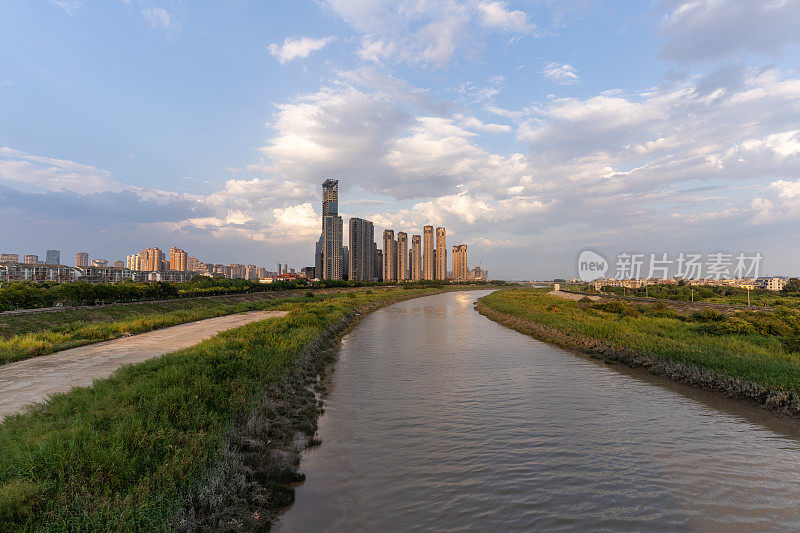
<point>496,15</point>
<point>160,18</point>
<point>38,173</point>
<point>293,48</point>
<point>375,50</point>
<point>700,30</point>
<point>428,33</point>
<point>560,73</point>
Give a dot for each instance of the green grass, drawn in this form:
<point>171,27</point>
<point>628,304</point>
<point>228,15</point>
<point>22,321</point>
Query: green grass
<point>119,455</point>
<point>759,347</point>
<point>703,293</point>
<point>29,335</point>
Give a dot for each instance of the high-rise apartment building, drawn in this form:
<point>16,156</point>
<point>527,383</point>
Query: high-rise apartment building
<point>195,265</point>
<point>236,271</point>
<point>402,256</point>
<point>428,262</point>
<point>99,263</point>
<point>151,260</point>
<point>178,259</point>
<point>81,259</point>
<point>119,264</point>
<point>53,257</point>
<point>132,262</point>
<point>378,263</point>
<point>460,269</point>
<point>30,259</point>
<point>389,256</point>
<point>415,258</point>
<point>251,273</point>
<point>441,254</point>
<point>9,258</point>
<point>362,244</point>
<point>331,231</point>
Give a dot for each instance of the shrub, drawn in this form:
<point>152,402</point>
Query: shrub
<point>610,307</point>
<point>707,315</point>
<point>791,344</point>
<point>660,310</point>
<point>735,326</point>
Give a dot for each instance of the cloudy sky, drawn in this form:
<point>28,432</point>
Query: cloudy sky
<point>531,129</point>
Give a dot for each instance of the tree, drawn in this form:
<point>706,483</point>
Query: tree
<point>793,285</point>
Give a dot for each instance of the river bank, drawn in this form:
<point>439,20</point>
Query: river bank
<point>206,437</point>
<point>705,350</point>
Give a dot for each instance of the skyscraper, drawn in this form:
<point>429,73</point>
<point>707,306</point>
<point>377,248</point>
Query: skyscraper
<point>318,257</point>
<point>460,269</point>
<point>378,263</point>
<point>402,256</point>
<point>389,256</point>
<point>428,262</point>
<point>441,254</point>
<point>53,257</point>
<point>81,259</point>
<point>362,244</point>
<point>331,231</point>
<point>415,258</point>
<point>330,197</point>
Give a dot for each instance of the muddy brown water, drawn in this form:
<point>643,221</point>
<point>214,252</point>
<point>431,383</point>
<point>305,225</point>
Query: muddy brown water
<point>439,419</point>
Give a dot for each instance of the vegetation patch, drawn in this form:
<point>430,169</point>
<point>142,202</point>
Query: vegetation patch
<point>745,354</point>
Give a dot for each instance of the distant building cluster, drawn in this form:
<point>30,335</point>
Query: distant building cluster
<point>424,257</point>
<point>769,283</point>
<point>150,265</point>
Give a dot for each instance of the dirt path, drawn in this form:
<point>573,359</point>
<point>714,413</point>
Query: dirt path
<point>33,380</point>
<point>571,296</point>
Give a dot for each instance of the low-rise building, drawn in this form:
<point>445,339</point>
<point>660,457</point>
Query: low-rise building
<point>772,284</point>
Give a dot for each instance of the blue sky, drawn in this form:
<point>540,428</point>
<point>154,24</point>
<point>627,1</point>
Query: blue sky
<point>531,129</point>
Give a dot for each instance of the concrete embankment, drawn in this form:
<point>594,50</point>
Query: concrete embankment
<point>776,400</point>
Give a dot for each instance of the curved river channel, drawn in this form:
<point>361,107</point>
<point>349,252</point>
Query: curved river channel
<point>439,419</point>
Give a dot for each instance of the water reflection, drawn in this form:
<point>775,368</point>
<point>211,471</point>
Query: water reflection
<point>440,419</point>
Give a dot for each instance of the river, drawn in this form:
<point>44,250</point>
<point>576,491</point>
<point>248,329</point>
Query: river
<point>439,419</point>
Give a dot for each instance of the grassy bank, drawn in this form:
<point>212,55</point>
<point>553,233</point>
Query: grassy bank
<point>753,355</point>
<point>29,335</point>
<point>702,293</point>
<point>199,438</point>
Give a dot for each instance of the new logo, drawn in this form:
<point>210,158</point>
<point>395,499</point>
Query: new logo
<point>591,266</point>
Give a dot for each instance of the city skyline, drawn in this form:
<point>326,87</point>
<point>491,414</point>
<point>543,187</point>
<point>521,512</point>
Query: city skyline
<point>395,261</point>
